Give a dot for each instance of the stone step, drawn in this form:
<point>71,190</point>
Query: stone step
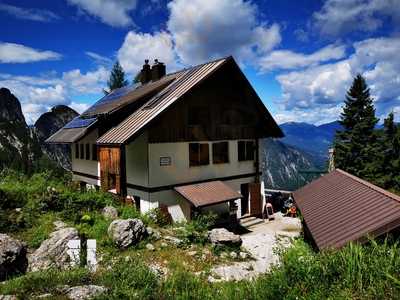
<point>248,222</point>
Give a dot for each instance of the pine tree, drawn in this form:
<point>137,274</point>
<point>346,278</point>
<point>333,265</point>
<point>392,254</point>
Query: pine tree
<point>117,78</point>
<point>356,145</point>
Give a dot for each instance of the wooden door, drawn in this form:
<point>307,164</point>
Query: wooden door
<point>255,199</point>
<point>244,202</point>
<point>110,168</point>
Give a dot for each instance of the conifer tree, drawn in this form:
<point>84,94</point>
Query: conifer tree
<point>117,78</point>
<point>355,145</point>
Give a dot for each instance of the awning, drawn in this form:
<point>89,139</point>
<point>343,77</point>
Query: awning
<point>208,193</point>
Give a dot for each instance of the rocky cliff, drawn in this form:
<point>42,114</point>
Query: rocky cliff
<point>47,124</point>
<point>280,164</point>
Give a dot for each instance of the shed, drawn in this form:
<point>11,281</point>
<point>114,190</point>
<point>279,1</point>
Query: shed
<point>339,208</point>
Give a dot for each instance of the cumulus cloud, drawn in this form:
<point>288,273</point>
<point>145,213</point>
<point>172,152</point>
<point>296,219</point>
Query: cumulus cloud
<point>322,88</point>
<point>39,93</point>
<point>286,59</point>
<point>111,12</point>
<point>338,17</point>
<point>32,14</point>
<point>206,29</point>
<point>17,53</point>
<point>140,46</point>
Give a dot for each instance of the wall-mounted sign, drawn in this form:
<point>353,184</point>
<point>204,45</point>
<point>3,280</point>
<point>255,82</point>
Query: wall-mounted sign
<point>165,160</point>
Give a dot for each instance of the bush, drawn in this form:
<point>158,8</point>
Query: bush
<point>196,231</point>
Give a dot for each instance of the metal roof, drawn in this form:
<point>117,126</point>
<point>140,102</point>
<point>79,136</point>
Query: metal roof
<point>185,80</point>
<point>208,193</point>
<point>339,208</point>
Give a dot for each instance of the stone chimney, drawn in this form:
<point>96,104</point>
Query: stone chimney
<point>331,166</point>
<point>145,73</point>
<point>158,70</point>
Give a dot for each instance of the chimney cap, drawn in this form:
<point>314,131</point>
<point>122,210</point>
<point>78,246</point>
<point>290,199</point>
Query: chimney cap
<point>146,61</point>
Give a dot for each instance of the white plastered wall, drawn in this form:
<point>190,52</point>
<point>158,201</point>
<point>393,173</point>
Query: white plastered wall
<point>84,166</point>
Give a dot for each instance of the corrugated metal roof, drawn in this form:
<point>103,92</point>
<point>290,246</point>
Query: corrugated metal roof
<point>339,208</point>
<point>208,193</point>
<point>185,80</point>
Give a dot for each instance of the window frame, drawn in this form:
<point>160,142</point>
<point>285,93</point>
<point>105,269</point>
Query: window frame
<point>203,154</point>
<point>246,150</point>
<point>220,158</point>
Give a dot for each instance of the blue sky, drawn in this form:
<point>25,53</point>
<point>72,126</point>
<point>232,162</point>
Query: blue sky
<point>300,56</point>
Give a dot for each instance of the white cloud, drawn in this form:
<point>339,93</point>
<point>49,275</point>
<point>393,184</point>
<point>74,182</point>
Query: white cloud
<point>206,29</point>
<point>321,88</point>
<point>286,59</point>
<point>338,17</point>
<point>99,59</point>
<point>39,94</point>
<point>140,46</point>
<point>79,107</point>
<point>33,14</point>
<point>111,12</point>
<point>16,53</point>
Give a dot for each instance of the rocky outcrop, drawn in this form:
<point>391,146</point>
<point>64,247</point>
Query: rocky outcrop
<point>84,292</point>
<point>47,124</point>
<point>12,257</point>
<point>53,251</point>
<point>223,237</point>
<point>126,233</point>
<point>110,212</point>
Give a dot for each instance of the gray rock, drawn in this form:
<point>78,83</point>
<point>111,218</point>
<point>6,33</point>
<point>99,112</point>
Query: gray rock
<point>243,255</point>
<point>223,237</point>
<point>126,233</point>
<point>8,297</point>
<point>223,255</point>
<point>13,258</point>
<point>53,251</point>
<point>163,245</point>
<point>150,247</point>
<point>192,253</point>
<point>44,296</point>
<point>158,270</point>
<point>233,255</point>
<point>59,225</point>
<point>110,212</point>
<point>85,292</point>
<point>153,233</point>
<point>173,240</point>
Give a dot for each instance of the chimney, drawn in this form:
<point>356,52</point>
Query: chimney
<point>331,166</point>
<point>145,73</point>
<point>158,70</point>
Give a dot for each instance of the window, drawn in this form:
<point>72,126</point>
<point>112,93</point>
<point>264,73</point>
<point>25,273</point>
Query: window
<point>82,151</point>
<point>87,151</point>
<point>94,152</point>
<point>220,152</point>
<point>76,150</point>
<point>198,154</point>
<point>245,150</point>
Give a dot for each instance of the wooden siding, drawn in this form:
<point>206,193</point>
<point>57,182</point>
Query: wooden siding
<point>223,107</point>
<point>112,169</point>
<point>255,199</point>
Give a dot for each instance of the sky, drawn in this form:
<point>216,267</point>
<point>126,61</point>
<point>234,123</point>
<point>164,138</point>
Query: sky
<point>300,56</point>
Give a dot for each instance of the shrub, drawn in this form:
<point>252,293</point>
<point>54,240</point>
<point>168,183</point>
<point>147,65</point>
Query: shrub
<point>196,231</point>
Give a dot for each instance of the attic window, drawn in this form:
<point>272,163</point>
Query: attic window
<point>245,150</point>
<point>198,154</point>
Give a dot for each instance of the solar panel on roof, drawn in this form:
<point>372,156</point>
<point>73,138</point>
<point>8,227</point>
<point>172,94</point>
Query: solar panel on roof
<point>79,122</point>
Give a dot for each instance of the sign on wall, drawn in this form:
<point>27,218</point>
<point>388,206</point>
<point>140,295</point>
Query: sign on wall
<point>165,160</point>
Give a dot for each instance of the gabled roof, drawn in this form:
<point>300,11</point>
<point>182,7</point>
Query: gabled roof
<point>185,80</point>
<point>208,193</point>
<point>339,208</point>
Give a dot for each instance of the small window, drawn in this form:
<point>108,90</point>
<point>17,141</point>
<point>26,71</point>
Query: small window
<point>245,150</point>
<point>77,151</point>
<point>220,152</point>
<point>198,154</point>
<point>94,152</point>
<point>82,151</point>
<point>88,151</point>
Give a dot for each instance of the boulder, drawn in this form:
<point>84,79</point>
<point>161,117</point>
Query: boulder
<point>84,292</point>
<point>13,258</point>
<point>59,225</point>
<point>110,212</point>
<point>53,251</point>
<point>223,237</point>
<point>173,240</point>
<point>8,297</point>
<point>126,233</point>
<point>150,247</point>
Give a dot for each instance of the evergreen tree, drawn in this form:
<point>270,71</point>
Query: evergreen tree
<point>117,78</point>
<point>356,145</point>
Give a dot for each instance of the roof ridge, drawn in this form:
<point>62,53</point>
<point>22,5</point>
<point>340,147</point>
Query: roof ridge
<point>370,185</point>
<point>200,65</point>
